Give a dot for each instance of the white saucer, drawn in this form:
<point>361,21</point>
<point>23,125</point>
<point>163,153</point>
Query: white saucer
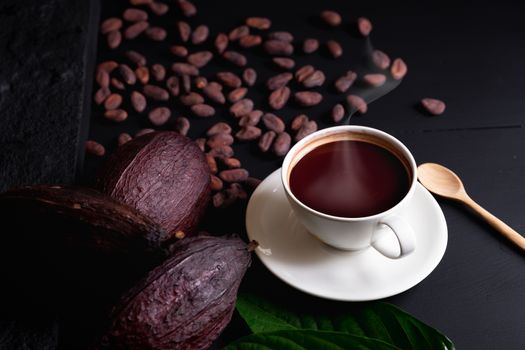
<point>309,265</point>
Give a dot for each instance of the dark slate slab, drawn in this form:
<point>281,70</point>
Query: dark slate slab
<point>46,52</point>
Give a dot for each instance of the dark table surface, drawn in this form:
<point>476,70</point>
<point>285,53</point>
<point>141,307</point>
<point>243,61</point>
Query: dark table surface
<point>471,56</point>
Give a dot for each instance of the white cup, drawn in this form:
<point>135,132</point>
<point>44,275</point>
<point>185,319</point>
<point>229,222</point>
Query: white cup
<point>356,233</point>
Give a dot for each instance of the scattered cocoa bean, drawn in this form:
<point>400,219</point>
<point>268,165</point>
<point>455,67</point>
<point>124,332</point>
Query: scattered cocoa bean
<point>110,25</point>
<point>261,23</point>
<point>216,183</point>
<point>317,78</point>
<point>334,48</point>
<point>364,26</point>
<point>102,78</point>
<point>186,83</point>
<point>237,94</point>
<point>140,2</point>
<point>234,175</point>
<point>191,99</point>
<point>250,40</point>
<point>123,138</point>
<point>251,118</point>
<point>200,34</point>
<point>242,107</point>
<point>433,106</point>
<point>235,58</point>
<point>278,48</point>
<point>172,84</point>
<point>252,183</point>
<point>117,84</point>
<point>136,58</point>
<point>201,143</point>
<point>101,95</point>
<point>357,103</point>
<point>238,33</point>
<point>158,71</point>
<point>156,92</point>
<point>113,101</point>
<point>203,110</point>
<point>220,139</point>
<point>279,97</point>
<point>116,115</point>
<point>278,81</point>
<point>308,98</point>
<point>218,199</point>
<point>298,121</point>
<point>182,125</point>
<point>144,132</point>
<point>266,140</point>
<point>248,133</point>
<point>184,30</point>
<point>281,36</point>
<point>221,152</point>
<point>229,79</point>
<point>135,15</point>
<point>310,45</point>
<point>398,69</point>
<point>187,8</point>
<point>108,66</point>
<point>282,143</point>
<point>142,74</point>
<point>338,112</point>
<point>303,72</point>
<point>306,129</point>
<point>114,39</point>
<point>217,128</point>
<point>159,116</point>
<point>212,164</point>
<point>332,18</point>
<point>214,92</point>
<point>127,74</point>
<point>249,75</point>
<point>179,50</point>
<point>221,42</point>
<point>200,82</point>
<point>232,163</point>
<point>374,80</point>
<point>95,148</point>
<point>156,33</point>
<point>184,69</point>
<point>236,190</point>
<point>158,8</point>
<point>135,29</point>
<point>283,62</point>
<point>273,122</point>
<point>138,101</point>
<point>200,59</point>
<point>380,59</point>
<point>345,82</point>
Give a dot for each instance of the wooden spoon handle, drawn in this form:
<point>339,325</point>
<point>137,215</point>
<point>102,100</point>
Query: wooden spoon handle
<point>496,223</point>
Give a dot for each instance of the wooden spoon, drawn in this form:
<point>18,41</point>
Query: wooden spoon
<point>444,182</point>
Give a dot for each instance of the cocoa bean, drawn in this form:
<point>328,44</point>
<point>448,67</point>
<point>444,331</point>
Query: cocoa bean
<point>236,190</point>
<point>317,78</point>
<point>252,183</point>
<point>113,101</point>
<point>116,115</point>
<point>214,93</point>
<point>135,29</point>
<point>261,23</point>
<point>433,106</point>
<point>298,121</point>
<point>234,175</point>
<point>159,116</point>
<point>273,122</point>
<point>335,49</point>
<point>200,34</point>
<point>212,164</point>
<point>138,101</point>
<point>220,139</point>
<point>338,112</point>
<point>184,30</point>
<point>142,74</point>
<point>221,42</point>
<point>251,118</point>
<point>282,143</point>
<point>278,81</point>
<point>332,18</point>
<point>140,2</point>
<point>281,36</point>
<point>200,82</point>
<point>221,152</point>
<point>235,58</point>
<point>374,80</point>
<point>108,66</point>
<point>357,103</point>
<point>144,132</point>
<point>158,71</point>
<point>136,58</point>
<point>101,95</point>
<point>248,41</point>
<point>158,8</point>
<point>95,148</point>
<point>343,83</point>
<point>127,74</point>
<point>237,94</point>
<point>200,59</point>
<point>306,129</point>
<point>135,15</point>
<point>248,133</point>
<point>216,183</point>
<point>308,98</point>
<point>229,79</point>
<point>102,78</point>
<point>203,110</point>
<point>186,83</point>
<point>218,199</point>
<point>156,33</point>
<point>201,143</point>
<point>249,75</point>
<point>278,48</point>
<point>364,26</point>
<point>283,62</point>
<point>399,69</point>
<point>156,92</point>
<point>110,25</point>
<point>266,140</point>
<point>242,107</point>
<point>217,128</point>
<point>179,50</point>
<point>114,39</point>
<point>303,72</point>
<point>279,97</point>
<point>238,33</point>
<point>310,45</point>
<point>187,8</point>
<point>182,125</point>
<point>231,163</point>
<point>380,59</point>
<point>124,138</point>
<point>117,84</point>
<point>184,69</point>
<point>191,99</point>
<point>172,84</point>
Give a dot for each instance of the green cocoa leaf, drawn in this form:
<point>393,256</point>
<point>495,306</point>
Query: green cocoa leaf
<point>377,320</point>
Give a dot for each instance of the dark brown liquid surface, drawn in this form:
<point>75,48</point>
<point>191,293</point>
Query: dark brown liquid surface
<point>349,179</point>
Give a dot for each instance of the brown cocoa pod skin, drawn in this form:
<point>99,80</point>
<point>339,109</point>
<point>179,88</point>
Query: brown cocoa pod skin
<point>202,278</point>
<point>279,97</point>
<point>175,200</point>
<point>278,48</point>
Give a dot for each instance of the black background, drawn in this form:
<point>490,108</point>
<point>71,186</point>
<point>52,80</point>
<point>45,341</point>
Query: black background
<point>471,56</point>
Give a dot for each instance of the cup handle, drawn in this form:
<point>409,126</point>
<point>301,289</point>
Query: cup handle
<point>402,231</point>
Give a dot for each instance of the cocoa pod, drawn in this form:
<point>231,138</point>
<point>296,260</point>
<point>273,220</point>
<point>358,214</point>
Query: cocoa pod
<point>433,106</point>
<point>114,39</point>
<point>136,58</point>
<point>203,110</point>
<point>380,59</point>
<point>214,92</point>
<point>229,79</point>
<point>172,84</point>
<point>238,33</point>
<point>234,175</point>
<point>200,59</point>
<point>283,62</point>
<point>282,143</point>
<point>184,30</point>
<point>184,69</point>
<point>187,8</point>
<point>159,116</point>
<point>156,92</point>
<point>308,98</point>
<point>135,29</point>
<point>176,200</point>
<point>248,133</point>
<point>266,140</point>
<point>343,83</point>
<point>335,49</point>
<point>317,78</point>
<point>220,127</point>
<point>110,25</point>
<point>286,37</point>
<point>200,34</point>
<point>156,33</point>
<point>278,48</point>
<point>135,15</point>
<point>95,148</point>
<point>357,103</point>
<point>374,80</point>
<point>202,278</point>
<point>182,125</point>
<point>191,99</point>
<point>273,122</point>
<point>310,45</point>
<point>249,75</point>
<point>364,26</point>
<point>279,97</point>
<point>242,107</point>
<point>261,23</point>
<point>221,42</point>
<point>237,94</point>
<point>306,129</point>
<point>278,81</point>
<point>399,69</point>
<point>248,41</point>
<point>332,18</point>
<point>236,58</point>
<point>179,50</point>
